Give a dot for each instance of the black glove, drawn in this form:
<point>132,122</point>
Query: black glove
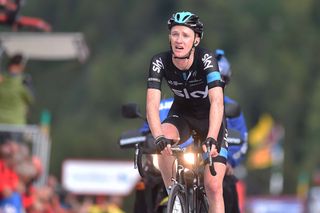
<point>212,141</point>
<point>161,142</point>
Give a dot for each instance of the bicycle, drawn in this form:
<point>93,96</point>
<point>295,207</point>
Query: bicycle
<point>187,194</point>
<point>145,161</point>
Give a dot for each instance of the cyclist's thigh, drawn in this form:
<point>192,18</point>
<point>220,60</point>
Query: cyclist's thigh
<point>178,126</point>
<point>201,126</point>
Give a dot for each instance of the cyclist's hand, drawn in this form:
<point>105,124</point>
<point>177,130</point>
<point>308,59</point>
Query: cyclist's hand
<point>167,150</point>
<point>215,146</point>
<point>163,144</point>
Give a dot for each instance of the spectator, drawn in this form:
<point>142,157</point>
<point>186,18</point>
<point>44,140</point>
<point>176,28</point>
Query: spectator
<point>15,92</point>
<point>10,198</point>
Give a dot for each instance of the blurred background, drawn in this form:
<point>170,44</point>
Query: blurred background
<point>273,47</point>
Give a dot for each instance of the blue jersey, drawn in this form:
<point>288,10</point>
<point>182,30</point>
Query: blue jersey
<point>235,152</point>
<point>12,203</point>
<point>164,108</point>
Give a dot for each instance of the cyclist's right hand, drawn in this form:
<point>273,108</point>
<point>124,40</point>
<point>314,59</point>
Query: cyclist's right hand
<point>162,142</point>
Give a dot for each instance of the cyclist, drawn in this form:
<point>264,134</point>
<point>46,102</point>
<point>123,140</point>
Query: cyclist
<point>236,151</point>
<point>193,75</point>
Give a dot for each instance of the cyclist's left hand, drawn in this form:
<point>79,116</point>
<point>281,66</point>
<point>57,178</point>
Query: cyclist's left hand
<point>214,152</point>
<point>215,148</point>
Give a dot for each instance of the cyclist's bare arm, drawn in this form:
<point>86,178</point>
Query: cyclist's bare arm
<point>216,114</point>
<point>152,108</point>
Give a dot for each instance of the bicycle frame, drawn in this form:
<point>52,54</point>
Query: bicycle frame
<point>190,179</point>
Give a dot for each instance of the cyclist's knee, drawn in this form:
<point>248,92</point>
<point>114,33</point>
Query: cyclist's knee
<point>170,131</point>
<point>214,187</point>
<point>214,184</point>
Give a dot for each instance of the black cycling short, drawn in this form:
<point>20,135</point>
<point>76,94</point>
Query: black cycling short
<point>186,124</point>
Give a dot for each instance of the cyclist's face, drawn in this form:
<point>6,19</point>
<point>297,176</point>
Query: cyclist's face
<point>182,39</point>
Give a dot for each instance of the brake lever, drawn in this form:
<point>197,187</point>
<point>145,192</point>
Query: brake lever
<point>136,154</point>
<point>211,165</point>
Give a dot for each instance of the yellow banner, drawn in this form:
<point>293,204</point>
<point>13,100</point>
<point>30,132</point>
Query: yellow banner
<point>260,132</point>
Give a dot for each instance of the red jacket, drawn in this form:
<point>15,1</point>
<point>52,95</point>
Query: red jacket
<point>8,178</point>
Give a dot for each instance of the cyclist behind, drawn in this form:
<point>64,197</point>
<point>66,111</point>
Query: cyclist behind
<point>193,75</point>
<point>236,151</point>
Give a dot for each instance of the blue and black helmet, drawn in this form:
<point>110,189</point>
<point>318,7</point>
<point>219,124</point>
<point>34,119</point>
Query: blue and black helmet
<point>224,65</point>
<point>186,19</point>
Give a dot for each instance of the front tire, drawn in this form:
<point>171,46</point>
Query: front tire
<point>203,205</point>
<point>177,202</point>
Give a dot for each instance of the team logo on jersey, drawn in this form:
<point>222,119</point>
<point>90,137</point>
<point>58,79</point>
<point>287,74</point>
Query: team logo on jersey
<point>194,73</point>
<point>157,65</point>
<point>207,61</point>
<point>195,94</point>
<point>225,137</point>
<point>175,83</point>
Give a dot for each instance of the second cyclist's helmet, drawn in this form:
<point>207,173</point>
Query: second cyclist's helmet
<point>224,65</point>
<point>186,19</point>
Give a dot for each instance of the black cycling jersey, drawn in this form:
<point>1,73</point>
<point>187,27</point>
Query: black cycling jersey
<point>190,87</point>
<point>191,106</point>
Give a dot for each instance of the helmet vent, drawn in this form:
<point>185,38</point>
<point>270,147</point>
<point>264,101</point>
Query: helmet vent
<point>185,18</point>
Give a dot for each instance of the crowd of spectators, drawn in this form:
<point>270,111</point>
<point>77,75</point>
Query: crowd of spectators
<point>20,193</point>
<point>20,170</point>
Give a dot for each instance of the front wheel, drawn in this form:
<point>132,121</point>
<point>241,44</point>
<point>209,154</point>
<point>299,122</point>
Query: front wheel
<point>177,202</point>
<point>203,206</point>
